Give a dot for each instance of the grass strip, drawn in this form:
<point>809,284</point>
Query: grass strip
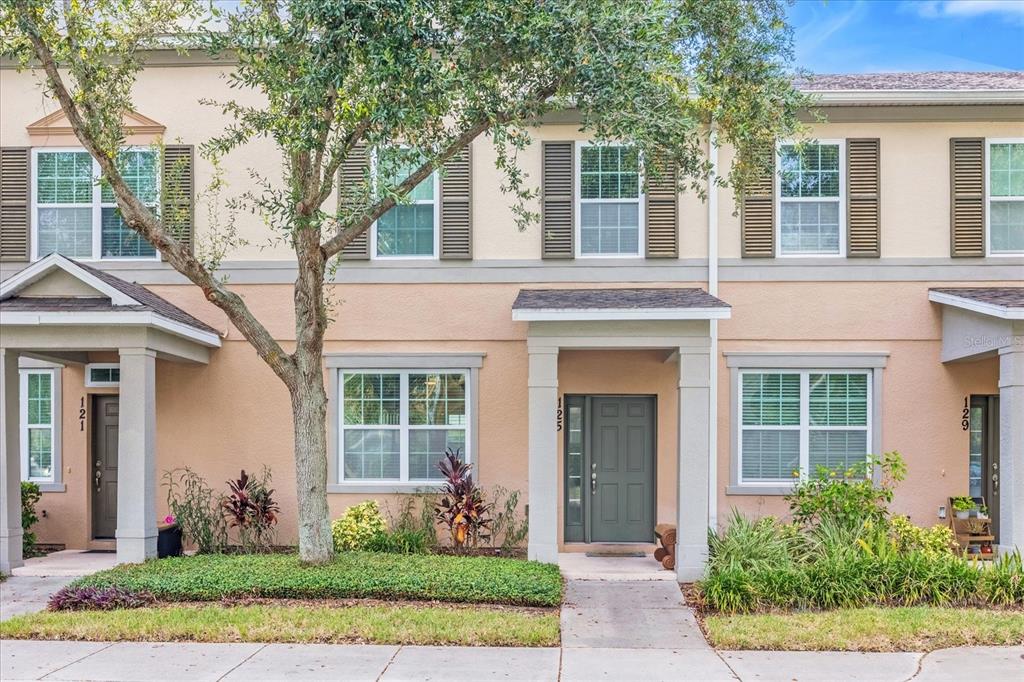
<point>377,624</point>
<point>920,628</point>
<point>351,575</point>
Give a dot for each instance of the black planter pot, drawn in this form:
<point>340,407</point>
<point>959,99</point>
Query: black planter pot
<point>168,542</point>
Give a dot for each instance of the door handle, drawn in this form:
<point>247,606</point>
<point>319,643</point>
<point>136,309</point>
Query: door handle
<point>593,482</point>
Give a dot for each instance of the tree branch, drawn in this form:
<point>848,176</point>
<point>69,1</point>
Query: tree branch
<point>141,220</point>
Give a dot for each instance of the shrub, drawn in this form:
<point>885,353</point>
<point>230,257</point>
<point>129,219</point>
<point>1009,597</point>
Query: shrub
<point>847,496</point>
<point>933,541</point>
<point>730,589</point>
<point>402,541</point>
<point>351,575</point>
<point>1002,584</point>
<point>509,525</point>
<point>30,496</point>
<point>251,508</point>
<point>197,510</point>
<point>358,528</point>
<point>462,508</point>
<point>415,517</point>
<point>73,598</point>
<point>750,544</point>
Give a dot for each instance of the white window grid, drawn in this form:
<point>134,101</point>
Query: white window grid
<point>989,199</point>
<point>579,201</point>
<point>96,205</point>
<point>403,427</point>
<point>26,427</point>
<point>100,365</point>
<point>436,202</point>
<point>804,427</point>
<point>839,200</point>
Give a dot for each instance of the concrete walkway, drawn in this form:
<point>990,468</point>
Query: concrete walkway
<point>30,586</point>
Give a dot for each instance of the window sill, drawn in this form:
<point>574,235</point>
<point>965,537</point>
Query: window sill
<point>51,487</point>
<point>383,488</point>
<point>759,490</point>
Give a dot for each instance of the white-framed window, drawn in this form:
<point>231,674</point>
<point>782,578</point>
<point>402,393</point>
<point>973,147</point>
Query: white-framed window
<point>75,215</point>
<point>810,198</point>
<point>38,418</point>
<point>411,229</point>
<point>395,425</point>
<point>102,374</point>
<point>793,421</point>
<point>609,201</point>
<point>1004,188</point>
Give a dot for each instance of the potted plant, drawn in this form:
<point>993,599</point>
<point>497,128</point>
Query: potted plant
<point>983,512</point>
<point>962,506</point>
<point>168,541</point>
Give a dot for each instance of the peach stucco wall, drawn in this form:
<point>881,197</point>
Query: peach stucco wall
<point>234,413</point>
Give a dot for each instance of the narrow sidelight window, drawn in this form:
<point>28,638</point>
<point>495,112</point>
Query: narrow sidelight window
<point>77,216</point>
<point>810,199</point>
<point>794,423</point>
<point>37,430</point>
<point>609,201</point>
<point>396,425</point>
<point>1006,197</point>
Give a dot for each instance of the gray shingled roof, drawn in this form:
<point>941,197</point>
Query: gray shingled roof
<point>1007,297</point>
<point>920,80</point>
<point>148,301</point>
<point>613,299</point>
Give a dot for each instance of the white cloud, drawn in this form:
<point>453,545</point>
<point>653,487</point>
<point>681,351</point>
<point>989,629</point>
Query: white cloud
<point>939,9</point>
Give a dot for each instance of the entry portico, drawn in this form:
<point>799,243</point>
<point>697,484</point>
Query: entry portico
<point>675,320</point>
<point>59,311</point>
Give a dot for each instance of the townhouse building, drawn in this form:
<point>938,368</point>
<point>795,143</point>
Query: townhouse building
<point>638,356</point>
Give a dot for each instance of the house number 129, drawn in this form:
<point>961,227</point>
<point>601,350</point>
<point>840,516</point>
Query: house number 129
<point>965,422</point>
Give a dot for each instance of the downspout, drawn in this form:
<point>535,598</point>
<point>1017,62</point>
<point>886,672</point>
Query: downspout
<point>713,290</point>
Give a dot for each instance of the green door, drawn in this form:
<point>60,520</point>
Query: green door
<point>622,469</point>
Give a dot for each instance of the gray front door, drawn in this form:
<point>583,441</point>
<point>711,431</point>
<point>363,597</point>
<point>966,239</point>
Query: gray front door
<point>622,469</point>
<point>104,465</point>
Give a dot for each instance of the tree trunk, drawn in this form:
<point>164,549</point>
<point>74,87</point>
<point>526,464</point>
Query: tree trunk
<point>309,414</point>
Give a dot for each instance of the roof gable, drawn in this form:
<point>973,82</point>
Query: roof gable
<point>58,276</point>
<point>57,123</point>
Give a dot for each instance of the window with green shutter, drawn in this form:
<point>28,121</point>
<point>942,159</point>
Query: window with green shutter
<point>793,422</point>
<point>610,199</point>
<point>1006,197</point>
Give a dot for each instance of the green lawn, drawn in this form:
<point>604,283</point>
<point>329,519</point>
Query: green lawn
<point>869,629</point>
<point>483,580</point>
<point>380,624</point>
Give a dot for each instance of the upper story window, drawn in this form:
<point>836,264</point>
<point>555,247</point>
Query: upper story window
<point>810,199</point>
<point>1006,196</point>
<point>396,425</point>
<point>409,230</point>
<point>609,214</point>
<point>76,216</point>
<point>793,422</point>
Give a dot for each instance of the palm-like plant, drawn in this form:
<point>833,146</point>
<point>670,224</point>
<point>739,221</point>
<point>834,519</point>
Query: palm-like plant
<point>462,508</point>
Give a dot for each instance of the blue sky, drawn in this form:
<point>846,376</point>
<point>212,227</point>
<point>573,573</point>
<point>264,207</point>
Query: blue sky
<point>864,36</point>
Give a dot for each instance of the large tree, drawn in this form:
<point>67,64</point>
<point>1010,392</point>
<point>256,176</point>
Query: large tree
<point>416,80</point>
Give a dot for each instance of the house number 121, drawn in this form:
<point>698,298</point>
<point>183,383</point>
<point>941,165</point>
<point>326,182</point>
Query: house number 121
<point>81,415</point>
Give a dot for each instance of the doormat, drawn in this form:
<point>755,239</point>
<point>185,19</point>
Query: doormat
<point>100,551</point>
<point>617,555</point>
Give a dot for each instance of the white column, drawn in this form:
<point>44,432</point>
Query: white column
<point>694,458</point>
<point>543,456</point>
<point>10,464</point>
<point>1011,447</point>
<point>136,456</point>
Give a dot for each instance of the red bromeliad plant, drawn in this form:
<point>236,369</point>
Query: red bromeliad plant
<point>462,508</point>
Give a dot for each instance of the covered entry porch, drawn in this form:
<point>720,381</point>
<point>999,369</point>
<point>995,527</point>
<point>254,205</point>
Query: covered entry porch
<point>62,312</point>
<point>617,478</point>
<point>978,323</point>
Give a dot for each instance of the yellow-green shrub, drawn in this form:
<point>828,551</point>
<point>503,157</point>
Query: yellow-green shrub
<point>933,541</point>
<point>358,527</point>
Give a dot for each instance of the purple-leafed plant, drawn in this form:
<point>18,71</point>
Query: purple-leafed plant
<point>462,508</point>
<point>250,507</point>
<point>98,599</point>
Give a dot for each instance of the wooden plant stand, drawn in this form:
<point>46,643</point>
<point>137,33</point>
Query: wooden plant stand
<point>972,532</point>
<point>666,554</point>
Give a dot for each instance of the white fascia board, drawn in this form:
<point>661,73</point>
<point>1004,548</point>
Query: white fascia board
<point>135,318</point>
<point>882,97</point>
<point>42,267</point>
<point>991,309</point>
<point>607,314</point>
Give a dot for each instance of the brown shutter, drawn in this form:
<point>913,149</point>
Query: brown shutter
<point>353,174</point>
<point>178,209</point>
<point>15,172</point>
<point>661,213</point>
<point>863,204</point>
<point>457,207</point>
<point>757,213</point>
<point>967,196</point>
<point>557,203</point>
